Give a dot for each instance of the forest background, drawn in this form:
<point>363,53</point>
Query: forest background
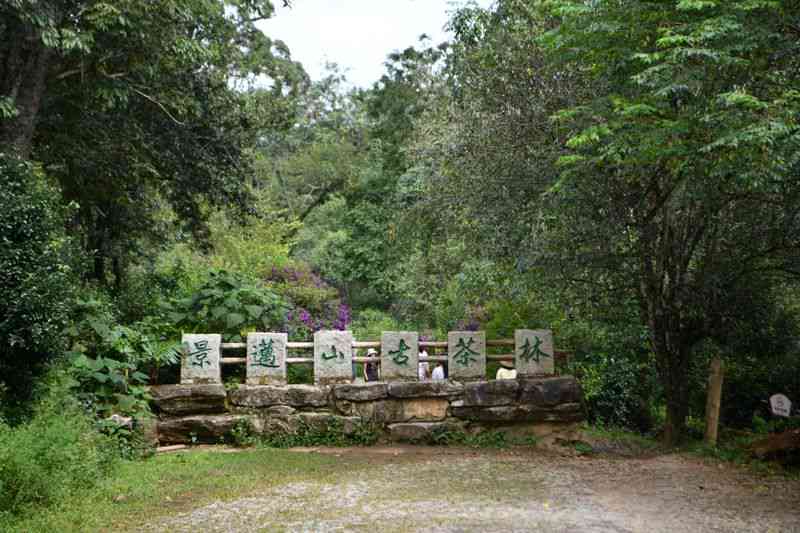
<point>623,173</point>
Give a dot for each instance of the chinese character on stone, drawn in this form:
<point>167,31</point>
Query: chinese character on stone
<point>466,355</point>
<point>533,352</point>
<point>199,355</point>
<point>333,357</point>
<point>399,355</point>
<point>200,361</point>
<point>266,358</point>
<point>265,354</point>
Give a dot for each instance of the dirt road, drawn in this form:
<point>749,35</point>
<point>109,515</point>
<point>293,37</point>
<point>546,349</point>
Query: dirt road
<point>447,489</point>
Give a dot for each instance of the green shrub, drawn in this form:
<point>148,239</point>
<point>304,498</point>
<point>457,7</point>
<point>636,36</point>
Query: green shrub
<point>615,392</point>
<point>231,304</point>
<point>55,453</point>
<point>36,277</point>
<point>330,434</point>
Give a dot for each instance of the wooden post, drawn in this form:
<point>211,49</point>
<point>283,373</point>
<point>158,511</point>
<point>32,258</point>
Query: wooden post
<point>713,401</point>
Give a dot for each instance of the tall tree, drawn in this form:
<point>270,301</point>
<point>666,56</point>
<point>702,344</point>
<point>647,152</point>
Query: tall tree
<point>141,105</point>
<point>643,151</point>
<point>682,187</point>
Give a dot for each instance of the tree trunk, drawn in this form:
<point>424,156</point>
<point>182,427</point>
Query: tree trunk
<point>24,63</point>
<point>673,366</point>
<point>714,395</point>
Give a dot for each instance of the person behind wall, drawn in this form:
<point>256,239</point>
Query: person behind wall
<point>438,372</point>
<point>371,368</point>
<point>423,369</point>
<point>506,371</point>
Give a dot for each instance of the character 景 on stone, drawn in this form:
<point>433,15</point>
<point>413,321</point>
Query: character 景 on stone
<point>199,356</point>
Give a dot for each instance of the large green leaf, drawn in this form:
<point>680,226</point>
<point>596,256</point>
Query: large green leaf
<point>234,320</point>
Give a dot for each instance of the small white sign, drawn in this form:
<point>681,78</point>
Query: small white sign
<point>780,405</point>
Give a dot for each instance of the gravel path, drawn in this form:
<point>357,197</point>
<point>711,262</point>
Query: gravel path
<point>435,489</point>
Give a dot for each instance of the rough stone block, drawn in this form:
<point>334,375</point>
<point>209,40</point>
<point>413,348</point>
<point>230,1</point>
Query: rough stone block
<point>533,352</point>
<point>204,428</point>
<point>489,393</point>
<point>425,389</point>
<point>188,399</point>
<point>399,355</point>
<point>279,411</point>
<point>333,357</point>
<point>466,355</point>
<point>291,395</point>
<point>419,431</point>
<point>550,391</point>
<point>266,358</point>
<point>378,412</point>
<point>328,422</point>
<point>360,392</point>
<point>425,409</point>
<point>200,358</point>
<point>497,414</point>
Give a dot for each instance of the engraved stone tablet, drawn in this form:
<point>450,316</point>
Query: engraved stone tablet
<point>333,357</point>
<point>399,355</point>
<point>466,355</point>
<point>533,352</point>
<point>200,358</point>
<point>780,405</point>
<point>266,358</point>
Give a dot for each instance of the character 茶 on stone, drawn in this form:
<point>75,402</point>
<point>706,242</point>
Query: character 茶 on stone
<point>465,355</point>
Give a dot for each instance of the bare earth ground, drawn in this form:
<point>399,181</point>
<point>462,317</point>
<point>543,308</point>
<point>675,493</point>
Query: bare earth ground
<point>411,488</point>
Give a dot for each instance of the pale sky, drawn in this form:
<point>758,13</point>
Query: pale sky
<point>357,34</point>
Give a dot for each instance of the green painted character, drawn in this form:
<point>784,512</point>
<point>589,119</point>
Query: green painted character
<point>265,354</point>
<point>399,355</point>
<point>199,357</point>
<point>533,353</point>
<point>333,355</point>
<point>465,355</point>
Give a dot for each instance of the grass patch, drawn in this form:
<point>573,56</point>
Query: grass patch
<point>621,437</point>
<point>167,484</point>
<point>734,447</point>
<point>484,439</point>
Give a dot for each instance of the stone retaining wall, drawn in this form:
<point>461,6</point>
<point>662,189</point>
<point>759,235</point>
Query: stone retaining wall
<point>402,410</point>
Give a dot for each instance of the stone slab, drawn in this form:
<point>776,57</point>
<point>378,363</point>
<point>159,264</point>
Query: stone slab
<point>549,392</point>
<point>533,352</point>
<point>200,358</point>
<point>266,358</point>
<point>466,355</point>
<point>491,393</point>
<point>188,399</point>
<point>269,395</point>
<point>378,412</point>
<point>333,357</point>
<point>360,392</point>
<point>425,389</point>
<point>201,428</point>
<point>399,355</point>
<point>419,431</point>
<point>322,422</point>
<point>425,409</point>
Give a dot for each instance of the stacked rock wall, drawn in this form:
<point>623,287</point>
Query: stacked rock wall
<point>401,410</point>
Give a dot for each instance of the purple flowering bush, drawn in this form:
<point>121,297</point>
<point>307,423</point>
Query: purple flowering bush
<point>313,303</point>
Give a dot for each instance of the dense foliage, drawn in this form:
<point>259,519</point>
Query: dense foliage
<point>626,174</point>
<point>36,277</point>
